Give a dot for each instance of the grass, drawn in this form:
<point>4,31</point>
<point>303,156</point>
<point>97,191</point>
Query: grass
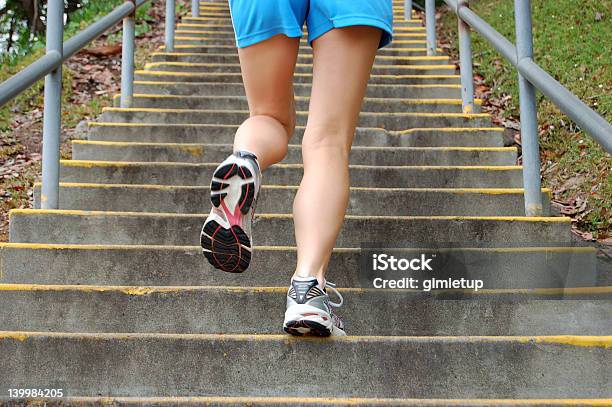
<point>571,42</point>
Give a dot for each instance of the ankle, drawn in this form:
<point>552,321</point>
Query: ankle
<point>307,274</point>
<point>249,155</point>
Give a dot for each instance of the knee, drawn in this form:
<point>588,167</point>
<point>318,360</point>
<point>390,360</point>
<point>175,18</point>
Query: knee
<point>330,139</point>
<point>286,119</point>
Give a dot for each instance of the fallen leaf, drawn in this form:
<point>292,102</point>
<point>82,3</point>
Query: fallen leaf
<point>104,50</point>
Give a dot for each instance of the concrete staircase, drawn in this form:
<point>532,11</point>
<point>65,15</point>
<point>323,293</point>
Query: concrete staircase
<point>110,299</point>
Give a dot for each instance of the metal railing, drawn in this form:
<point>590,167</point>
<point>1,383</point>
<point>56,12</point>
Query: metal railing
<point>49,66</point>
<point>530,77</point>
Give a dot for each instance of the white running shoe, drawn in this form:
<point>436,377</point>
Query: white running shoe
<point>226,235</point>
<point>309,309</point>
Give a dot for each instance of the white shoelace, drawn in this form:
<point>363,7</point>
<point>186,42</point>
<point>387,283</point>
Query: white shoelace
<point>332,287</point>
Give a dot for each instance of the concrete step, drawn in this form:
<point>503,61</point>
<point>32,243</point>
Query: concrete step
<point>232,58</point>
<point>398,6</point>
<point>432,91</point>
<point>210,153</point>
<point>205,7</point>
<point>403,79</point>
<point>202,133</point>
<point>171,229</point>
<point>225,20</point>
<point>502,266</point>
<point>277,199</point>
<point>245,365</point>
<point>187,39</point>
<point>304,50</point>
<point>231,310</point>
<point>112,172</point>
<point>254,401</point>
<point>389,121</point>
<point>215,11</point>
<point>217,7</point>
<point>378,105</point>
<point>201,67</point>
<point>182,31</point>
<point>224,27</point>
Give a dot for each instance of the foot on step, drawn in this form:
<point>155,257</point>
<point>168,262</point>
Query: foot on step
<point>309,309</point>
<point>226,237</point>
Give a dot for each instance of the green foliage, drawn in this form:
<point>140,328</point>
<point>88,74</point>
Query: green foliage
<point>80,19</point>
<point>85,12</point>
<point>571,42</point>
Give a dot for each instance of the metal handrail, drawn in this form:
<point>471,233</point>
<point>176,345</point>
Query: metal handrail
<point>13,86</point>
<point>50,67</point>
<point>530,77</point>
<point>521,57</point>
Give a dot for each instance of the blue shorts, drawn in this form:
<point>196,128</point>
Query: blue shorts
<point>258,20</point>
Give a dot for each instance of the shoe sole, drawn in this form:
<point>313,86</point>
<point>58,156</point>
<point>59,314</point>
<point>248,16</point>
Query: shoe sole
<point>306,328</point>
<point>226,249</point>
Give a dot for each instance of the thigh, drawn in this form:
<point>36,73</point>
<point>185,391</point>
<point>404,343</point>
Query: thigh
<point>255,21</point>
<point>325,15</point>
<point>342,61</point>
<point>267,72</point>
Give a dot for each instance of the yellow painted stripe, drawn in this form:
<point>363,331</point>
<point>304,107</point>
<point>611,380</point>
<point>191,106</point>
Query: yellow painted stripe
<point>205,25</point>
<point>66,212</point>
<point>256,401</point>
<point>187,38</point>
<point>227,17</point>
<point>229,33</point>
<point>49,246</point>
<point>52,246</point>
<point>385,101</point>
<point>171,125</point>
<point>305,56</point>
<point>447,130</point>
<point>294,146</point>
<point>305,75</point>
<point>420,32</point>
<point>171,110</point>
<point>147,290</point>
<point>201,18</point>
<point>378,85</point>
<point>91,164</point>
<point>237,65</point>
<point>569,340</point>
<point>230,28</point>
<point>233,47</point>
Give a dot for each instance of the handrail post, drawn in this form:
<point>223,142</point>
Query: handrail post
<point>170,11</point>
<point>407,9</point>
<point>52,109</point>
<point>430,23</point>
<point>465,56</point>
<point>529,119</point>
<point>127,59</point>
<point>195,8</point>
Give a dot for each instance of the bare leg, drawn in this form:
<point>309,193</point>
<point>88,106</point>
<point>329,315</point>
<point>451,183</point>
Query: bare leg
<point>343,60</point>
<point>267,72</point>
